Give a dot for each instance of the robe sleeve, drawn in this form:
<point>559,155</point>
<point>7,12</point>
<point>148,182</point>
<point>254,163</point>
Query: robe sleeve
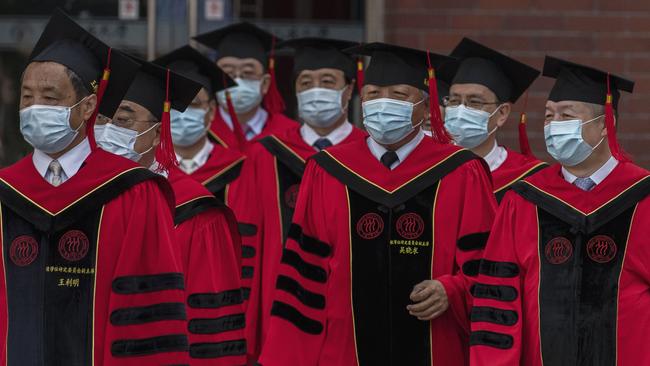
<point>496,314</point>
<point>215,311</point>
<point>298,314</point>
<point>146,305</point>
<point>477,210</point>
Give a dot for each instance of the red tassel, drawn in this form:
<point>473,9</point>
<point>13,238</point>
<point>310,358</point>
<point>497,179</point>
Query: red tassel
<point>360,74</point>
<point>239,134</point>
<point>524,144</point>
<point>103,84</point>
<point>273,102</point>
<point>438,131</point>
<point>165,155</point>
<point>610,124</point>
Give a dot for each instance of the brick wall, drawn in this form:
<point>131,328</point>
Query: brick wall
<point>609,34</point>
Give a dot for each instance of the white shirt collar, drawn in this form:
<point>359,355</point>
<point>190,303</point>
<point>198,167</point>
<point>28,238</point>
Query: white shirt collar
<point>403,152</point>
<point>598,176</point>
<point>255,125</point>
<point>70,161</point>
<point>336,136</point>
<point>189,166</point>
<point>496,157</point>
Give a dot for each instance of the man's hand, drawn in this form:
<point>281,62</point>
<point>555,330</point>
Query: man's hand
<point>430,300</point>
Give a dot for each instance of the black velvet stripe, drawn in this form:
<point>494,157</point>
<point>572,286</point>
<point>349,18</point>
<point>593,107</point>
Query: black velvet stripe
<point>188,210</point>
<point>149,346</point>
<point>493,315</point>
<point>216,325</point>
<point>502,192</point>
<point>295,317</point>
<point>499,269</point>
<point>308,298</point>
<point>246,292</point>
<point>491,339</point>
<point>578,221</point>
<point>396,198</point>
<point>307,270</point>
<point>216,350</point>
<point>148,314</point>
<point>129,285</point>
<point>246,229</point>
<point>247,272</point>
<point>470,268</point>
<point>215,300</point>
<point>217,184</point>
<point>43,221</point>
<point>287,157</point>
<point>248,251</point>
<point>307,243</point>
<point>501,293</point>
<point>475,241</point>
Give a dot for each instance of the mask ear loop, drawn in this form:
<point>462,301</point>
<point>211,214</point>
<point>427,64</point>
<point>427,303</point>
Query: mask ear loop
<point>491,115</point>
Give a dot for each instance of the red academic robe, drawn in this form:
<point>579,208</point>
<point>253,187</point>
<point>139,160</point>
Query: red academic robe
<point>276,164</point>
<point>206,232</point>
<point>565,279</point>
<point>222,134</point>
<point>362,237</point>
<point>89,272</point>
<point>515,168</point>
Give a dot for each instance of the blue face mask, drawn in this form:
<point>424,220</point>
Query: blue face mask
<point>565,143</point>
<point>468,126</point>
<point>388,121</point>
<point>188,127</point>
<point>120,141</point>
<point>320,107</point>
<point>47,128</point>
<point>246,95</point>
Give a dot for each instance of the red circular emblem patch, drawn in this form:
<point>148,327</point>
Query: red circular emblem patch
<point>370,226</point>
<point>410,226</point>
<point>73,245</point>
<point>601,249</point>
<point>558,250</point>
<point>23,250</point>
<point>291,195</point>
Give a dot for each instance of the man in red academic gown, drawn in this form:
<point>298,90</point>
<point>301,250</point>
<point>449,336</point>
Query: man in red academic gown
<point>480,100</point>
<point>324,82</point>
<point>206,235</point>
<point>89,273</point>
<point>564,279</point>
<point>383,227</point>
<point>243,52</point>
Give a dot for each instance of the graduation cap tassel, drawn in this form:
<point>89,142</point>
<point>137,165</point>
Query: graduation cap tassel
<point>273,101</point>
<point>103,84</point>
<point>438,131</point>
<point>360,74</point>
<point>610,124</point>
<point>524,144</point>
<point>165,154</point>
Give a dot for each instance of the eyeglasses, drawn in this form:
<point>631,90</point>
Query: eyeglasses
<point>471,103</point>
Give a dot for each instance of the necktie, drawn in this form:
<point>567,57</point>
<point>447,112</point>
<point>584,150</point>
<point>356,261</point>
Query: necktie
<point>55,173</point>
<point>389,158</point>
<point>188,165</point>
<point>586,184</point>
<point>323,143</point>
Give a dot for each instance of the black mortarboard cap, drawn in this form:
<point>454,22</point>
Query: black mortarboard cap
<point>148,89</point>
<point>444,76</point>
<point>241,40</point>
<point>504,76</point>
<point>319,53</point>
<point>65,42</point>
<point>392,65</point>
<point>583,83</point>
<point>192,64</point>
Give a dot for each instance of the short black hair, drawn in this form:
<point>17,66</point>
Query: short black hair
<point>77,84</point>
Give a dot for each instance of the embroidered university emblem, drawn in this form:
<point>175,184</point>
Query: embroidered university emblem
<point>370,226</point>
<point>558,250</point>
<point>291,195</point>
<point>73,245</point>
<point>410,226</point>
<point>601,249</point>
<point>23,250</point>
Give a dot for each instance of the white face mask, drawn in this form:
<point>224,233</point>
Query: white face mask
<point>387,120</point>
<point>564,141</point>
<point>47,128</point>
<point>120,140</point>
<point>188,127</point>
<point>246,95</point>
<point>468,126</point>
<point>320,107</point>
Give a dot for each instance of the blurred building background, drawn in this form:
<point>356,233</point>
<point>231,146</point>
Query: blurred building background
<point>613,35</point>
